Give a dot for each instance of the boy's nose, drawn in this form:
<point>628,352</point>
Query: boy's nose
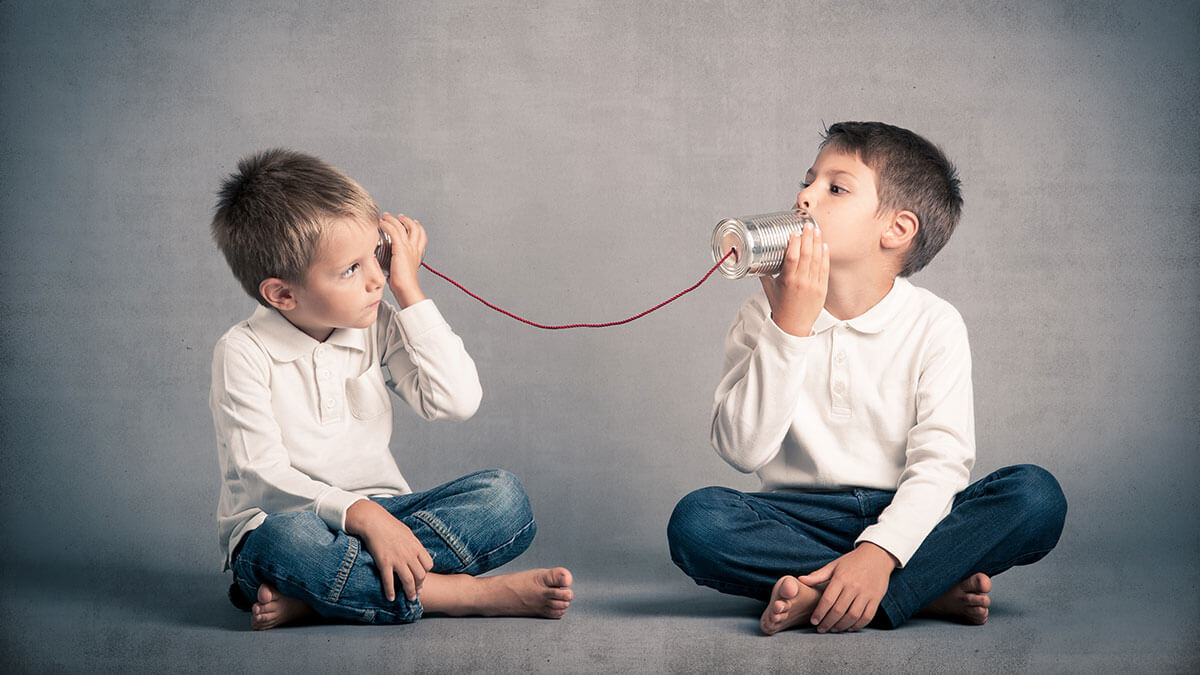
<point>804,198</point>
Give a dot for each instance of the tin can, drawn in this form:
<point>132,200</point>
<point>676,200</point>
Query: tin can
<point>383,253</point>
<point>758,242</point>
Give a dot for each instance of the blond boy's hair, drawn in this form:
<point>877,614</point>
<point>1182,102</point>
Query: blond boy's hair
<point>272,212</point>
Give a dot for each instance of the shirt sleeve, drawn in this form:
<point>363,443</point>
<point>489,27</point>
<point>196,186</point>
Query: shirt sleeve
<point>940,450</point>
<point>254,460</point>
<point>759,390</point>
<point>428,366</point>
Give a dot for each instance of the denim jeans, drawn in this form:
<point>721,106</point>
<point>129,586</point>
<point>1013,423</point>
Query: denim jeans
<point>742,543</point>
<point>469,526</point>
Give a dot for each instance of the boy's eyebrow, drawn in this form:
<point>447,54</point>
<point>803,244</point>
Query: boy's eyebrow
<point>835,173</point>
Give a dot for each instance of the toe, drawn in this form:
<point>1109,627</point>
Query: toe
<point>789,587</point>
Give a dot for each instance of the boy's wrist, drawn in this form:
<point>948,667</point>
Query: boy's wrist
<point>361,516</point>
<point>407,295</point>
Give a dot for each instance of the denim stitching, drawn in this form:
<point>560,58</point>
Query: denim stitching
<point>344,571</point>
<point>457,547</point>
<point>726,587</point>
<point>285,580</point>
<point>510,541</point>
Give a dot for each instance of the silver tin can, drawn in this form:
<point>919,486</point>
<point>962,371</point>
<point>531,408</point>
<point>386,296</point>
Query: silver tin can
<point>383,252</point>
<point>758,242</point>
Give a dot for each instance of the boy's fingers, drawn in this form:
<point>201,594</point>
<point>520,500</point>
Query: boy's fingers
<point>853,613</point>
<point>825,604</point>
<point>791,256</point>
<point>818,577</point>
<point>406,581</point>
<point>389,583</point>
<point>866,616</point>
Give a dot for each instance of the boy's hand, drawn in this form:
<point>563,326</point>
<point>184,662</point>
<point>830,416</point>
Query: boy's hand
<point>396,550</point>
<point>797,294</point>
<point>854,585</point>
<point>408,247</point>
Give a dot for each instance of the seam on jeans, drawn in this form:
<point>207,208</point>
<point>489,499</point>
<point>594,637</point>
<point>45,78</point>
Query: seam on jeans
<point>1032,556</point>
<point>285,580</point>
<point>344,571</point>
<point>738,589</point>
<point>440,529</point>
<point>776,514</point>
<point>511,539</point>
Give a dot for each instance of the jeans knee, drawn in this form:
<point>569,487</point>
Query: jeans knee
<point>1040,498</point>
<point>293,531</point>
<point>693,525</point>
<point>505,497</point>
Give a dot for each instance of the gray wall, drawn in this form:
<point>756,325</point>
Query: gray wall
<point>569,161</point>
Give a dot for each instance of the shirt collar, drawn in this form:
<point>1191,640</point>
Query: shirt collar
<point>284,342</point>
<point>875,319</point>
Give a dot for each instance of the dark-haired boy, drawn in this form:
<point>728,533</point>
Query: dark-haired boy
<point>848,391</point>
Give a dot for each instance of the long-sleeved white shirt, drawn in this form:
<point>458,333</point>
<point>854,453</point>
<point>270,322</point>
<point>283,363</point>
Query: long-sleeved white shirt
<point>880,401</point>
<point>305,425</point>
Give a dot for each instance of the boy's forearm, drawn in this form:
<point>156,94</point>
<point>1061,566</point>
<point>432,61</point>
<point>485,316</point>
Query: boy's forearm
<point>407,294</point>
<point>362,517</point>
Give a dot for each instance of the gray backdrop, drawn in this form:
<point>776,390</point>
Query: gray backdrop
<point>569,161</point>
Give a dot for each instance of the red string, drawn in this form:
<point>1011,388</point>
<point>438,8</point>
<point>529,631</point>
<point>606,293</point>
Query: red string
<point>584,325</point>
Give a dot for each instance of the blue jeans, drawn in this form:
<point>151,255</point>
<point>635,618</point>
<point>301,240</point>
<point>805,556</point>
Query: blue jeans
<point>468,526</point>
<point>742,543</point>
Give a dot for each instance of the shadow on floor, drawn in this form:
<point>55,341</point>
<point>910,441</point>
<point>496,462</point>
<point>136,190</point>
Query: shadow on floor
<point>192,599</point>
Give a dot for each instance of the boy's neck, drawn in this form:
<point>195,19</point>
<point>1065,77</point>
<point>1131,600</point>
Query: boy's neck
<point>851,293</point>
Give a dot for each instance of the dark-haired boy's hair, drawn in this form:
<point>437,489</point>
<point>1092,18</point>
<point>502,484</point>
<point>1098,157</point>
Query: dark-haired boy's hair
<point>912,174</point>
<point>271,213</point>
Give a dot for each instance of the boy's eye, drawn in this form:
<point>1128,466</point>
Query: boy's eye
<point>351,270</point>
<point>837,189</point>
<point>804,186</point>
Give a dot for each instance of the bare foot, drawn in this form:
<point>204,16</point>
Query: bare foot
<point>791,604</point>
<point>967,601</point>
<point>542,593</point>
<point>276,609</point>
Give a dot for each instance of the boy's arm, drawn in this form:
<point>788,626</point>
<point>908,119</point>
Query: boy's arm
<point>427,363</point>
<point>764,357</point>
<point>756,398</point>
<point>941,445</point>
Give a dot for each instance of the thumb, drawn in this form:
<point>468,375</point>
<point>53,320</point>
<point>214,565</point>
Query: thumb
<point>820,576</point>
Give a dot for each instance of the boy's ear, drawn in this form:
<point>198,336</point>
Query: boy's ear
<point>901,230</point>
<point>278,293</point>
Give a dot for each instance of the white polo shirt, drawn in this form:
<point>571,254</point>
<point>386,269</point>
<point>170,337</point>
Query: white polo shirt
<point>881,401</point>
<point>305,425</point>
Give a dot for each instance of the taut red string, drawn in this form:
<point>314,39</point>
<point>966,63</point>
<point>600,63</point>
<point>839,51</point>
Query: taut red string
<point>535,324</point>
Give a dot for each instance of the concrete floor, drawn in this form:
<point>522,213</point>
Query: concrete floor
<point>1052,617</point>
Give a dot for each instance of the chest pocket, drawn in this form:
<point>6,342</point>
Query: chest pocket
<point>367,396</point>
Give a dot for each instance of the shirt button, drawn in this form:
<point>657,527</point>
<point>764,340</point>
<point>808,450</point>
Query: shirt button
<point>329,403</point>
<point>839,387</point>
<point>323,373</point>
<point>840,357</point>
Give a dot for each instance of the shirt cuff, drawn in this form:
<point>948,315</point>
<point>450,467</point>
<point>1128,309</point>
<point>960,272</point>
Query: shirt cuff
<point>419,318</point>
<point>900,547</point>
<point>332,507</point>
<point>783,341</point>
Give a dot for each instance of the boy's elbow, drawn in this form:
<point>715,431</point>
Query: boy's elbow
<point>724,447</point>
<point>464,406</point>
